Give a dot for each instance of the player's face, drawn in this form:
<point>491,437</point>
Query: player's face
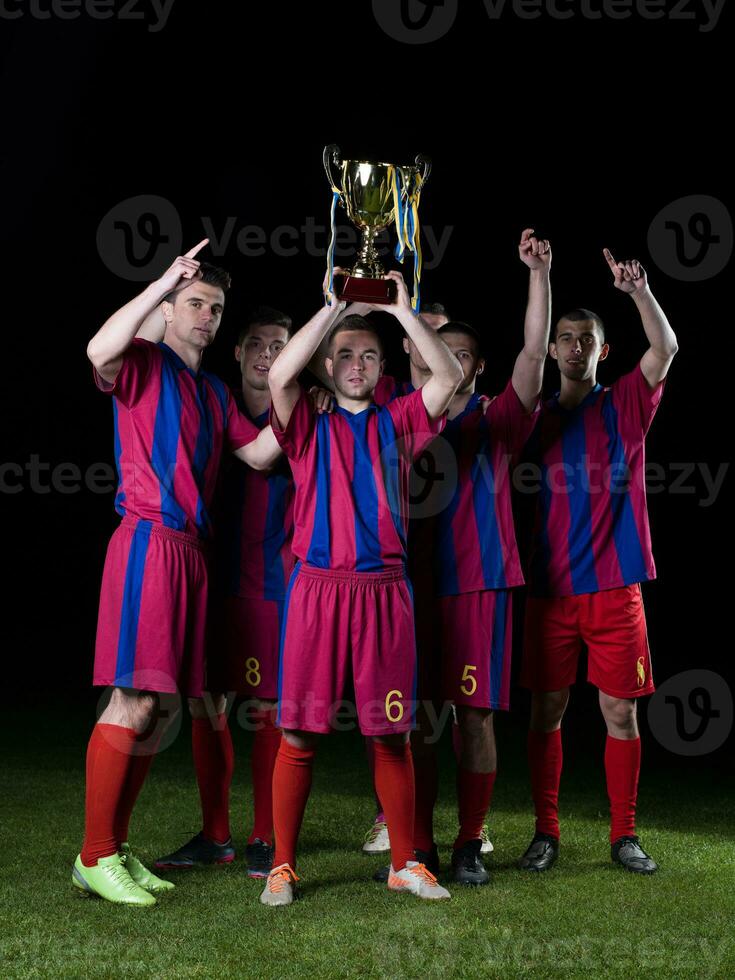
<point>433,320</point>
<point>356,364</point>
<point>578,349</point>
<point>465,350</point>
<point>195,316</point>
<point>257,352</point>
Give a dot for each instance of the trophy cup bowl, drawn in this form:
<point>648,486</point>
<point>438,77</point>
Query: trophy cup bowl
<point>367,193</point>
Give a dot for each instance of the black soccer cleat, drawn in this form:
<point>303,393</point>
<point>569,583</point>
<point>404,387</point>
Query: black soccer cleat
<point>467,868</point>
<point>627,851</point>
<point>430,860</point>
<point>259,858</point>
<point>197,853</point>
<point>540,854</point>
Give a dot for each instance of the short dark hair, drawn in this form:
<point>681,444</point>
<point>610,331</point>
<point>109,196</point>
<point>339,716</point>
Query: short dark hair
<point>211,275</point>
<point>355,322</point>
<point>263,316</point>
<point>437,309</point>
<point>458,326</point>
<point>579,314</point>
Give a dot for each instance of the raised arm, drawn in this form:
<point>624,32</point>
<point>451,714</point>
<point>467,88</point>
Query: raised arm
<point>446,371</point>
<point>631,278</point>
<point>105,350</point>
<point>316,364</point>
<point>528,371</point>
<point>262,453</point>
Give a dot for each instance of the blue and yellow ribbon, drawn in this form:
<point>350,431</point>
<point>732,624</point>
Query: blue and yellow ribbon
<point>330,251</point>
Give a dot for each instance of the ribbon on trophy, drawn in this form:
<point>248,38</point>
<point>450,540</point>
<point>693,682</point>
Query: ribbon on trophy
<point>329,292</point>
<point>407,227</point>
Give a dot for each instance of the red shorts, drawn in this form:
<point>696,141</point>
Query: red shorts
<point>612,624</point>
<point>337,621</point>
<point>152,615</point>
<point>242,648</point>
<point>477,643</point>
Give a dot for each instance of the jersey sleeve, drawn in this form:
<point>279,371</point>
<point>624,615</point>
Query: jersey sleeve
<point>509,421</point>
<point>133,376</point>
<point>294,439</point>
<point>385,390</point>
<point>414,427</point>
<point>634,398</point>
<point>240,430</point>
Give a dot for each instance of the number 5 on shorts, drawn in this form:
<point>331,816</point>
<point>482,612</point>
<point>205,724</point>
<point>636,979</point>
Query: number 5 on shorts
<point>471,679</point>
<point>393,706</point>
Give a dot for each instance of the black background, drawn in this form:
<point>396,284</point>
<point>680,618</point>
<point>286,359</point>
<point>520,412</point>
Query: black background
<point>581,129</point>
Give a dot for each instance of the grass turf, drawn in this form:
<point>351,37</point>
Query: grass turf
<point>583,917</point>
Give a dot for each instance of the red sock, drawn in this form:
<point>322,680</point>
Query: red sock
<point>262,761</point>
<point>474,795</point>
<point>145,749</point>
<point>622,766</point>
<point>214,762</point>
<point>109,760</point>
<point>379,815</point>
<point>545,759</point>
<point>291,788</point>
<point>394,782</point>
<point>426,788</point>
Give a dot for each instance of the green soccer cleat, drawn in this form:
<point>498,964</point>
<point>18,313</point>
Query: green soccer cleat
<point>110,880</point>
<point>141,875</point>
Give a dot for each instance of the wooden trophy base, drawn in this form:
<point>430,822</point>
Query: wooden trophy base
<point>360,289</point>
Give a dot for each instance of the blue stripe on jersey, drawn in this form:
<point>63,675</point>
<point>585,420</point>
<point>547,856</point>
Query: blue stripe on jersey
<point>166,434</point>
<point>625,531</point>
<point>202,453</point>
<point>497,650</point>
<point>390,465</point>
<point>284,622</point>
<point>319,552</point>
<point>274,536</point>
<point>483,499</point>
<point>364,494</point>
<point>581,556</point>
<point>541,549</point>
<point>130,612</point>
<point>120,495</point>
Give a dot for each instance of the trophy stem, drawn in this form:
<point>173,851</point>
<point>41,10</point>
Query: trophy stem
<point>368,264</point>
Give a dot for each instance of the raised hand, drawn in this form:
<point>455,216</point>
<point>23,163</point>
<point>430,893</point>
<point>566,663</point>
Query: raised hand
<point>534,252</point>
<point>402,302</point>
<point>184,269</point>
<point>321,399</point>
<point>630,276</point>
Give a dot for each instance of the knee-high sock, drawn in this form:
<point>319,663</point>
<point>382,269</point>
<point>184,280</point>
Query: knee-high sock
<point>394,782</point>
<point>145,749</point>
<point>426,788</point>
<point>545,760</point>
<point>291,787</point>
<point>109,761</point>
<point>474,795</point>
<point>262,761</point>
<point>622,766</point>
<point>379,814</point>
<point>214,762</point>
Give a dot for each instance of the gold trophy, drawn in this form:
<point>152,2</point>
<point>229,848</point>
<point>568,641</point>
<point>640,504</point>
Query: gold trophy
<point>374,196</point>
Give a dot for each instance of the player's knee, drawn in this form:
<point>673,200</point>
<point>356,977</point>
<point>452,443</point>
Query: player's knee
<point>301,740</point>
<point>547,709</point>
<point>475,722</point>
<point>619,713</point>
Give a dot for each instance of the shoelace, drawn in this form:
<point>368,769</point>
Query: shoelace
<point>283,876</point>
<point>122,877</point>
<point>485,834</point>
<point>423,872</point>
<point>375,830</point>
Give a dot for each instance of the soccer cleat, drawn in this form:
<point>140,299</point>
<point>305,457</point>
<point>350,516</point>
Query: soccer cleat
<point>377,840</point>
<point>259,858</point>
<point>540,854</point>
<point>628,852</point>
<point>110,880</point>
<point>198,852</point>
<point>428,858</point>
<point>280,888</point>
<point>467,868</point>
<point>487,844</point>
<point>416,879</point>
<point>141,875</point>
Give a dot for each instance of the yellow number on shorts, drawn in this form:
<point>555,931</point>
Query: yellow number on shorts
<point>252,671</point>
<point>393,709</point>
<point>468,676</point>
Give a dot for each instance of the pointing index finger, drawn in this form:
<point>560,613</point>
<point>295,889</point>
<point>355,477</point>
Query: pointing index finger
<point>609,258</point>
<point>197,248</point>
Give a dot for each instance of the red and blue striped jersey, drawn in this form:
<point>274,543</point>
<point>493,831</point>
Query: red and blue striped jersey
<point>171,427</point>
<point>476,545</point>
<point>255,526</point>
<point>388,388</point>
<point>591,531</point>
<point>351,474</point>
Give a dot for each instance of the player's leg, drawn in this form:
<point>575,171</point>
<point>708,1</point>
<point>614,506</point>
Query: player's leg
<point>266,743</point>
<point>377,840</point>
<point>476,772</point>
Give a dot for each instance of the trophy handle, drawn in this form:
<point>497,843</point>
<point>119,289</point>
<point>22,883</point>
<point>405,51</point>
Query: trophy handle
<point>331,155</point>
<point>425,162</point>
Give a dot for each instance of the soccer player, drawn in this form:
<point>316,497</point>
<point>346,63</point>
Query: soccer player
<point>349,605</point>
<point>172,422</point>
<point>591,551</point>
<point>252,566</point>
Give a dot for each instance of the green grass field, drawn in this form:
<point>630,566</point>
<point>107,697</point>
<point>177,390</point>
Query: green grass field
<point>583,918</point>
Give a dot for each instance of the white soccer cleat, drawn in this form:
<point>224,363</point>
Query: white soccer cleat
<point>377,840</point>
<point>280,888</point>
<point>416,879</point>
<point>487,845</point>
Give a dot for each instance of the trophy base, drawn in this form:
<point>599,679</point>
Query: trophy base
<point>360,289</point>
